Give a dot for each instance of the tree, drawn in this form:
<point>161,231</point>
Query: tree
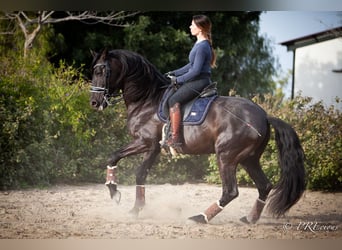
<point>245,60</point>
<point>31,23</point>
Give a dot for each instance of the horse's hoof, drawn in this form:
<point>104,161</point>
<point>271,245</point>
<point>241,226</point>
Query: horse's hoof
<point>199,219</point>
<point>135,212</point>
<point>246,221</point>
<point>112,189</point>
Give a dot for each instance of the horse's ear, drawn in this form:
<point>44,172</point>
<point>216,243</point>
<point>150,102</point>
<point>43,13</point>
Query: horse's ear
<point>104,53</point>
<point>93,53</point>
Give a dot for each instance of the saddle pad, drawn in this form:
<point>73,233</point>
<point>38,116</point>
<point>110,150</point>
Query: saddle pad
<point>194,114</point>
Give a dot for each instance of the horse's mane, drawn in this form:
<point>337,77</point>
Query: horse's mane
<point>142,80</point>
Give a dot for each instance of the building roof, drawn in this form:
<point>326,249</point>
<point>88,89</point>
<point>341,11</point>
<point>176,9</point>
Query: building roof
<point>313,38</point>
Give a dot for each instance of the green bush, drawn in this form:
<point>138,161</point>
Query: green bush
<point>20,116</point>
<point>48,132</point>
<point>320,130</point>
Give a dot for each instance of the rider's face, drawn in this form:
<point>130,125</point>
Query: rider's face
<point>194,29</point>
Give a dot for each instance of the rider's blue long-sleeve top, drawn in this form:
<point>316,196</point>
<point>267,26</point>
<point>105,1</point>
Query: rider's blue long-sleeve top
<point>199,62</point>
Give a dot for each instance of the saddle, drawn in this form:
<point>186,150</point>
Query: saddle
<point>193,112</point>
<point>210,90</point>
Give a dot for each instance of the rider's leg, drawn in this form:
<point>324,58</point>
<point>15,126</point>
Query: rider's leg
<point>186,92</point>
<point>176,119</point>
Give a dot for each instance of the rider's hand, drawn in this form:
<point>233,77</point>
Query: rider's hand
<point>173,80</point>
<point>169,74</point>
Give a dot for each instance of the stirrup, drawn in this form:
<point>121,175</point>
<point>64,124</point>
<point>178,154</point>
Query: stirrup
<point>174,147</point>
<point>174,144</point>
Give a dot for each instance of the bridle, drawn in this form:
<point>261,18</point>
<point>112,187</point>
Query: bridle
<point>108,98</point>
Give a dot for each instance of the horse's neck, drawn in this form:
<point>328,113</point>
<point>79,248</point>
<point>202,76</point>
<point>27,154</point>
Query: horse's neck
<point>136,108</point>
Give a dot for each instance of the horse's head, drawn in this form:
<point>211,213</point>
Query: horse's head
<point>103,89</point>
<point>124,72</point>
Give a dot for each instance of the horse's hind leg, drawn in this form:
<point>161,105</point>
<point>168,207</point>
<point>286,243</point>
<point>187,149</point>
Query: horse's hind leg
<point>253,168</point>
<point>229,191</point>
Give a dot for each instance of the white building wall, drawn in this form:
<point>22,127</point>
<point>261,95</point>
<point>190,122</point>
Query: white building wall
<point>313,71</point>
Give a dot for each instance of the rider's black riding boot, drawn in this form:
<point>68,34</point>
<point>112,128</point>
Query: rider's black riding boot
<point>176,119</point>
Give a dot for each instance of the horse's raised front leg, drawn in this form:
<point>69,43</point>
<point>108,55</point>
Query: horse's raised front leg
<point>151,150</point>
<point>133,148</point>
<point>111,183</point>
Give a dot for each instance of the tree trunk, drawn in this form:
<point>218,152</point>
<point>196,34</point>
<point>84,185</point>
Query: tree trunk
<point>29,39</point>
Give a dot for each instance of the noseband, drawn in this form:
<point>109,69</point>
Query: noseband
<point>108,98</point>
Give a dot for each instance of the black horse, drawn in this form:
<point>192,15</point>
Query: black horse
<point>235,129</point>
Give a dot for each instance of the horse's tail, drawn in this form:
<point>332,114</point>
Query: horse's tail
<point>292,182</point>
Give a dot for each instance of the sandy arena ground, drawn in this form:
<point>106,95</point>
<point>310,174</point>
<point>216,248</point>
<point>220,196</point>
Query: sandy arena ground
<point>88,212</point>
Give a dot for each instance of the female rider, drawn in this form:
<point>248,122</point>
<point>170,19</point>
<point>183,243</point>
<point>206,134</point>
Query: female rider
<point>194,76</point>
